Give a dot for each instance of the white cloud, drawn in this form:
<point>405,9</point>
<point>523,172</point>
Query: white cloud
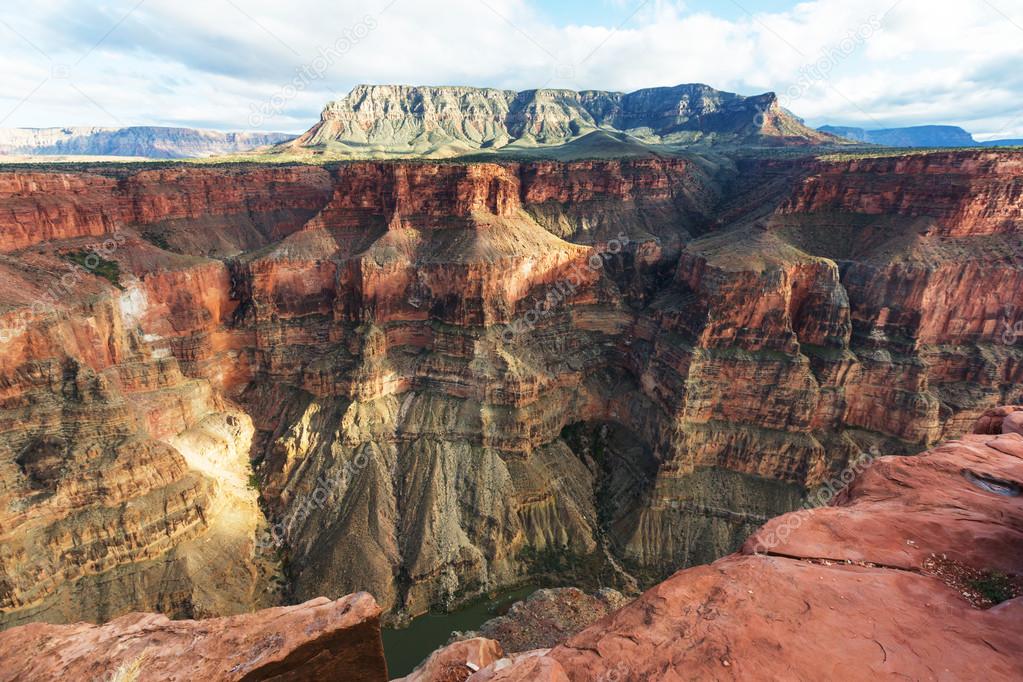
<point>215,62</point>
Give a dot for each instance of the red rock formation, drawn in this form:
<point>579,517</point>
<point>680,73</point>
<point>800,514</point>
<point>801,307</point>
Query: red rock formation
<point>125,480</point>
<point>550,616</point>
<point>952,195</point>
<point>456,662</point>
<point>320,639</point>
<point>239,208</point>
<point>415,345</point>
<point>844,591</point>
<point>1005,419</point>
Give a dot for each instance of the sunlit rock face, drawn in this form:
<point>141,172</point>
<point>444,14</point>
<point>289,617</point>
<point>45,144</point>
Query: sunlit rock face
<point>443,378</point>
<point>125,482</point>
<point>375,121</point>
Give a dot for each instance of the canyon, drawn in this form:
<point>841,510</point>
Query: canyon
<point>230,387</point>
<point>910,568</point>
<point>894,578</point>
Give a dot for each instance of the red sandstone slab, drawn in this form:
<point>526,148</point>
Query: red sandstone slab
<point>904,509</point>
<point>456,662</point>
<point>320,639</point>
<point>747,617</point>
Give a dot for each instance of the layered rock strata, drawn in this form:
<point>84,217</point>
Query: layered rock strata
<point>867,586</point>
<point>401,120</point>
<point>458,375</point>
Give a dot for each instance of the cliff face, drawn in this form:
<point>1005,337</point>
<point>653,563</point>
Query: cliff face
<point>448,376</point>
<point>895,578</point>
<point>145,141</point>
<point>125,481</point>
<point>201,211</point>
<point>954,196</point>
<point>446,121</point>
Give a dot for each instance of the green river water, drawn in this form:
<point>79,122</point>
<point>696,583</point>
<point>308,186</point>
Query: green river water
<point>406,648</point>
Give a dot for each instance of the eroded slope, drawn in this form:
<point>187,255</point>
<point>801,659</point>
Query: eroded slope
<point>460,374</point>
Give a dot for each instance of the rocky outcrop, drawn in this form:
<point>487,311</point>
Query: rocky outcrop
<point>549,617</point>
<point>459,375</point>
<point>866,587</point>
<point>1004,419</point>
<point>401,120</point>
<point>320,639</point>
<point>456,662</point>
<point>153,142</point>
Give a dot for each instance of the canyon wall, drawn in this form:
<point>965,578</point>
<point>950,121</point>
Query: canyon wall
<point>912,571</point>
<point>905,566</point>
<point>438,379</point>
<point>125,480</point>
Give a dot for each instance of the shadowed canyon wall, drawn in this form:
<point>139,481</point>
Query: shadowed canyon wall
<point>427,380</point>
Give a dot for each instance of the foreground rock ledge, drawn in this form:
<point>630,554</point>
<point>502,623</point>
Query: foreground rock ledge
<point>318,640</point>
<point>843,593</point>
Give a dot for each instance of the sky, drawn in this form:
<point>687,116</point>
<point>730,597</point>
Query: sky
<point>272,65</point>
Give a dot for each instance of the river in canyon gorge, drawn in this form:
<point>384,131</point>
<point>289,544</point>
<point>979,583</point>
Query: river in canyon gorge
<point>405,648</point>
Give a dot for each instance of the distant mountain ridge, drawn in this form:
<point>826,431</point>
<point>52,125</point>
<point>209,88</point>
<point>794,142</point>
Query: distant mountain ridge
<point>146,141</point>
<point>439,121</point>
<point>916,136</point>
